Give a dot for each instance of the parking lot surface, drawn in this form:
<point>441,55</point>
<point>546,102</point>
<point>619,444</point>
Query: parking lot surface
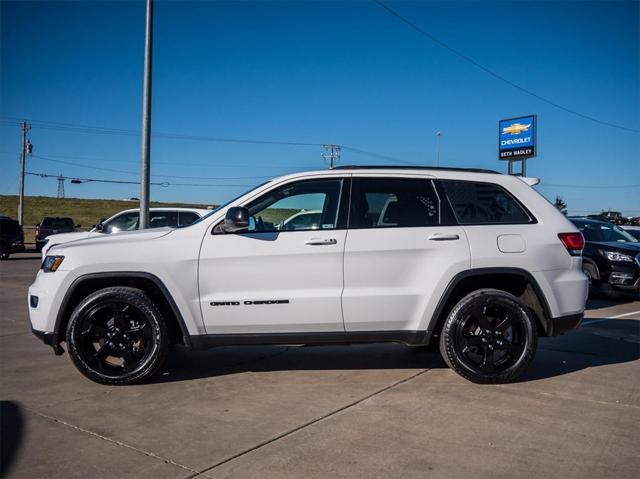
<point>381,410</point>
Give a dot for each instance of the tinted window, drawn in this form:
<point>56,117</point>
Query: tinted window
<point>58,223</point>
<point>604,232</point>
<point>307,205</point>
<point>9,227</point>
<point>397,202</point>
<point>477,203</point>
<point>161,219</point>
<point>186,218</point>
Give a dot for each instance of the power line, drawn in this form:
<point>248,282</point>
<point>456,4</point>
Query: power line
<point>172,163</point>
<point>177,136</point>
<point>50,125</point>
<point>494,74</point>
<point>113,170</point>
<point>164,184</point>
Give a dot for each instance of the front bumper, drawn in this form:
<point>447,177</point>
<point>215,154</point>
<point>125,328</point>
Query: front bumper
<point>49,288</point>
<point>564,324</point>
<point>50,339</point>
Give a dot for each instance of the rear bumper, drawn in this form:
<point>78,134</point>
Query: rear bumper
<point>563,324</point>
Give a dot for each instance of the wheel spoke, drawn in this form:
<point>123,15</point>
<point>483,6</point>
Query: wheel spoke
<point>480,313</point>
<point>504,324</point>
<point>97,330</point>
<point>472,340</point>
<point>130,361</point>
<point>487,361</point>
<point>101,354</point>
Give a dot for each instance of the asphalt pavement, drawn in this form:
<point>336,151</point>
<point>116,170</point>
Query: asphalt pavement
<point>381,410</point>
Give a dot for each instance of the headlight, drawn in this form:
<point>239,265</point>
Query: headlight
<point>615,256</point>
<point>52,263</point>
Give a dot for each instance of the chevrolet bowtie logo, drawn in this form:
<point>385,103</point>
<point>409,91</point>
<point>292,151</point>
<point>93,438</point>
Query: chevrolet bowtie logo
<point>515,128</point>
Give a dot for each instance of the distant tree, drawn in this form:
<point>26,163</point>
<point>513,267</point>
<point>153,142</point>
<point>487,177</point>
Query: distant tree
<point>560,205</point>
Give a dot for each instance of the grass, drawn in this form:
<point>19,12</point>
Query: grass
<point>85,212</point>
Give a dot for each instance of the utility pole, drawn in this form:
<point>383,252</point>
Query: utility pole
<point>145,170</point>
<point>26,148</point>
<point>438,135</point>
<point>332,154</point>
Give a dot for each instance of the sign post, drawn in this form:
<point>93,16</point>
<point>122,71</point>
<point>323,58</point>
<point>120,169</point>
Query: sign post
<point>517,141</point>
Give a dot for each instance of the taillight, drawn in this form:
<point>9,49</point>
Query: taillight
<point>574,242</point>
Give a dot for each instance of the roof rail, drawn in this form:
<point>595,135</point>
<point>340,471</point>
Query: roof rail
<point>413,167</point>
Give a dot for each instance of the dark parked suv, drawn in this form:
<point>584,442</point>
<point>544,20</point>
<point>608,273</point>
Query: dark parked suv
<point>11,237</point>
<point>52,226</point>
<point>611,256</point>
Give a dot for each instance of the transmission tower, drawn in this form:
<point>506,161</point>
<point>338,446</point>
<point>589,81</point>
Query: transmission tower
<point>60,186</point>
<point>331,154</point>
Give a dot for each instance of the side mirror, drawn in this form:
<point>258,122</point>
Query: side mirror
<point>236,220</point>
<point>100,227</point>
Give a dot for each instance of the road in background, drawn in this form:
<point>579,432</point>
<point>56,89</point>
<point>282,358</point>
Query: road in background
<point>343,411</point>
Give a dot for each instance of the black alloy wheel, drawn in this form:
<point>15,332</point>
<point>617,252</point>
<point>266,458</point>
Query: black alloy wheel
<point>117,336</point>
<point>489,337</point>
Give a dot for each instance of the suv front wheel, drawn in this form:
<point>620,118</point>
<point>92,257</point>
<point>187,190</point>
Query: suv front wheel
<point>117,336</point>
<point>489,337</point>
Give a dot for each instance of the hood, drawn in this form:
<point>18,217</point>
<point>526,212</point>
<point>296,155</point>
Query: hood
<point>113,239</point>
<point>629,248</point>
<point>66,237</point>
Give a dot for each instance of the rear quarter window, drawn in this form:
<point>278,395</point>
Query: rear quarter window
<point>484,203</point>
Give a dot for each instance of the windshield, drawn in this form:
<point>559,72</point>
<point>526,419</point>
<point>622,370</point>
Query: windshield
<point>604,232</point>
<point>218,208</point>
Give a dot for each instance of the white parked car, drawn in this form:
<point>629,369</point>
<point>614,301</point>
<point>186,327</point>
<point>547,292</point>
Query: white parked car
<point>128,220</point>
<point>476,261</point>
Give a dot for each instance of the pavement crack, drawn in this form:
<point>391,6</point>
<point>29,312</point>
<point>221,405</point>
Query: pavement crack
<point>308,424</point>
<point>117,443</point>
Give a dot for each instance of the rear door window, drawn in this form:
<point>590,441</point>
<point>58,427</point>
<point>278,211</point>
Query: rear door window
<point>161,219</point>
<point>394,203</point>
<point>185,218</point>
<point>483,203</point>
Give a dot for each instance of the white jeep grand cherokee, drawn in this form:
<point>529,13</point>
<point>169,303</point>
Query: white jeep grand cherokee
<point>476,260</point>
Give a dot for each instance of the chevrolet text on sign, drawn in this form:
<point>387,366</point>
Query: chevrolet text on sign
<point>517,138</point>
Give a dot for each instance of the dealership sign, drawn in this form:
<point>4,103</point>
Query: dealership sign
<point>517,138</point>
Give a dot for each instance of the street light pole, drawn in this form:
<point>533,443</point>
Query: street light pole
<point>438,135</point>
<point>145,172</point>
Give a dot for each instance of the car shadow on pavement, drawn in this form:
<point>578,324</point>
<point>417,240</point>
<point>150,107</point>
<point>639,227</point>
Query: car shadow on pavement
<point>597,342</point>
<point>11,434</point>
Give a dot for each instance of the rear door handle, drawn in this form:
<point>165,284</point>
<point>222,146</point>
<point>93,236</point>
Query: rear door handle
<point>321,241</point>
<point>443,237</point>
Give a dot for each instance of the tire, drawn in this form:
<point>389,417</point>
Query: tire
<point>489,337</point>
<point>39,247</point>
<point>4,256</point>
<point>591,272</point>
<point>117,336</point>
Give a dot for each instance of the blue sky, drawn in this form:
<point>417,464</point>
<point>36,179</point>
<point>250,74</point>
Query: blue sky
<point>319,72</point>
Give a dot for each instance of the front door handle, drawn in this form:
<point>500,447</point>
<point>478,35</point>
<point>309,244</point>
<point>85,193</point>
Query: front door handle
<point>321,241</point>
<point>443,237</point>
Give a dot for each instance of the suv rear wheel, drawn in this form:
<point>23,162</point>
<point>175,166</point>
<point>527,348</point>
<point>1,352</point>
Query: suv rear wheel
<point>489,337</point>
<point>117,336</point>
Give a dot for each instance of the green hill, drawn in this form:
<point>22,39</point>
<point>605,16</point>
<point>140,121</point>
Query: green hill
<point>85,212</point>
